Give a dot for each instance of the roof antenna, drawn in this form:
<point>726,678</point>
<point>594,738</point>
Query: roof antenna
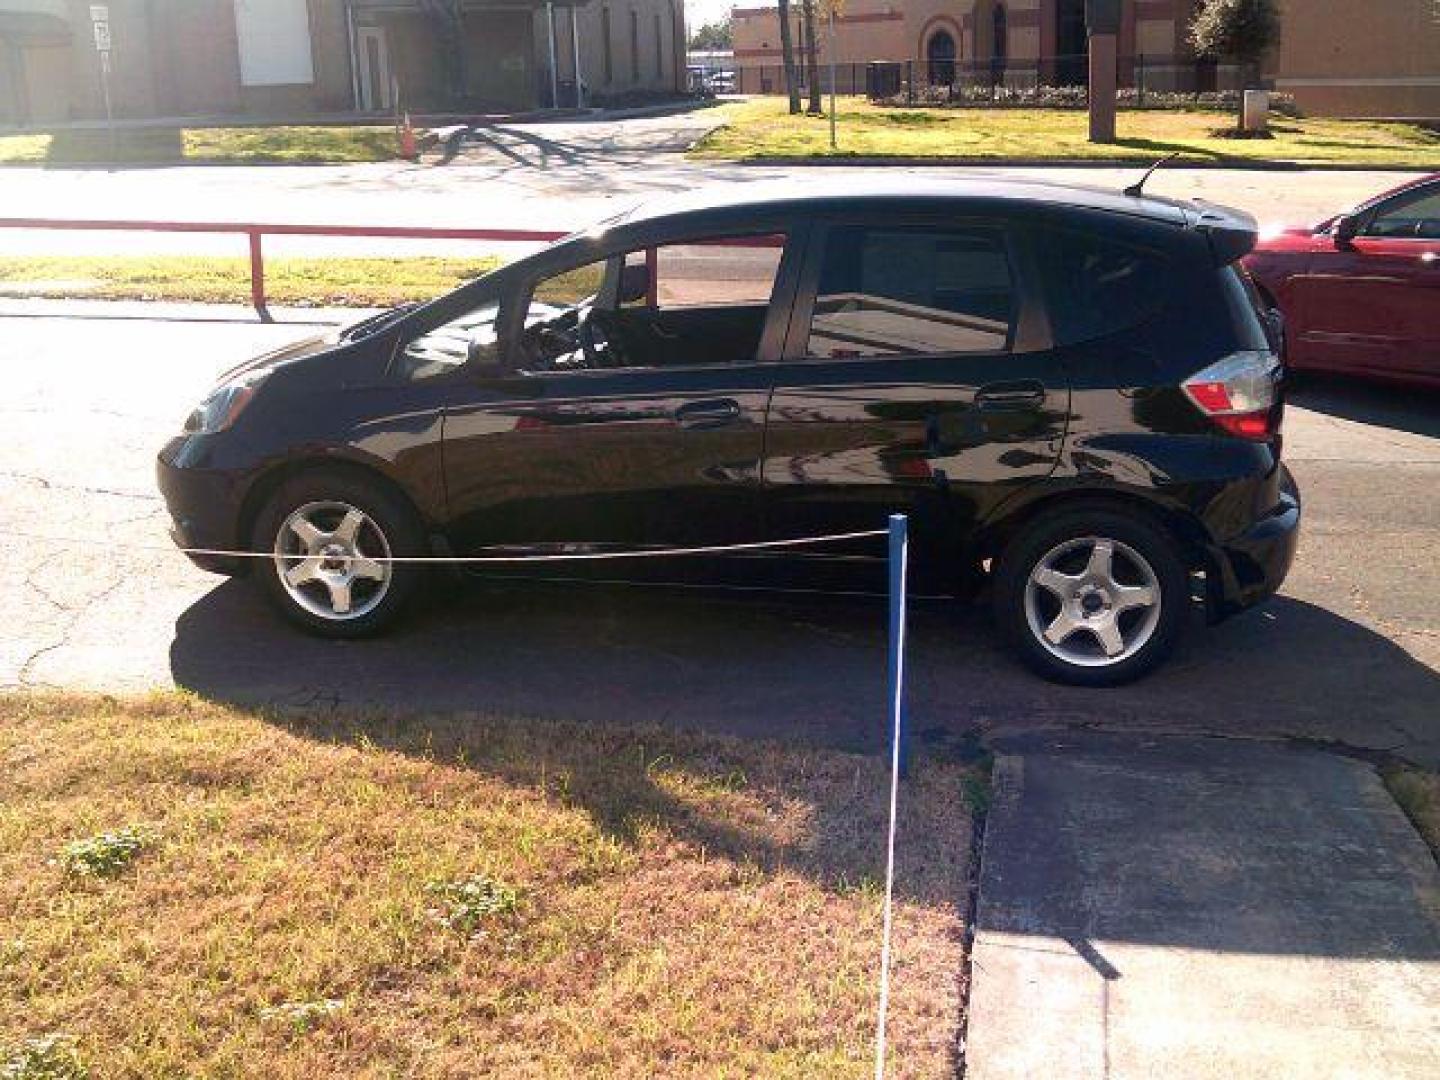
<point>1136,189</point>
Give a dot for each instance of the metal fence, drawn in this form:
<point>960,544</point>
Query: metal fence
<point>1051,82</point>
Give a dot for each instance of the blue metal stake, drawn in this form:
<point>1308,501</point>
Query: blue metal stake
<point>899,558</point>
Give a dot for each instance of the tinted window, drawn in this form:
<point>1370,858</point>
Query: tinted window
<point>911,291</point>
<point>1244,310</point>
<point>1095,286</point>
<point>1412,216</point>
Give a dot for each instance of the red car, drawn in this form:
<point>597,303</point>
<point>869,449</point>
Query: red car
<point>1360,291</point>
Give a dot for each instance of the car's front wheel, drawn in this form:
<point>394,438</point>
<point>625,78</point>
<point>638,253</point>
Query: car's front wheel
<point>1094,597</point>
<point>331,535</point>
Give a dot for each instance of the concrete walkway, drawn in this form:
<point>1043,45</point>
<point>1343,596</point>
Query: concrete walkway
<point>1189,907</point>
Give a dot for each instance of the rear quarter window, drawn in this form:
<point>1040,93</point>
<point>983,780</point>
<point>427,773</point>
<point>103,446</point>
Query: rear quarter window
<point>1095,286</point>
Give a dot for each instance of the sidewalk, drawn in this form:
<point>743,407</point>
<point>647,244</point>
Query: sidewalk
<point>1191,907</point>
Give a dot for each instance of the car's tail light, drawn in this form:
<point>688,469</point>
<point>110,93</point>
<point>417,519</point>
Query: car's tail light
<point>1239,393</point>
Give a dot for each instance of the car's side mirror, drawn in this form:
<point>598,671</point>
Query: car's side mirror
<point>634,283</point>
<point>1347,227</point>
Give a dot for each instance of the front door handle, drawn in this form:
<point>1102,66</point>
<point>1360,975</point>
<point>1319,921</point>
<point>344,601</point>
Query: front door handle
<point>708,414</point>
<point>1010,396</point>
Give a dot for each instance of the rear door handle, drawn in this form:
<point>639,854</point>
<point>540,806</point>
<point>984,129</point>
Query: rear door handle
<point>708,414</point>
<point>1010,396</point>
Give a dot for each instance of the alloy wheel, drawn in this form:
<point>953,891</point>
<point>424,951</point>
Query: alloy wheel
<point>1092,601</point>
<point>333,560</point>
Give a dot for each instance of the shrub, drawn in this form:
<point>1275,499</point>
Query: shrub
<point>50,1057</point>
<point>1075,97</point>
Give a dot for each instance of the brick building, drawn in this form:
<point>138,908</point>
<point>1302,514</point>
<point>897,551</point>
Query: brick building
<point>297,57</point>
<point>1340,57</point>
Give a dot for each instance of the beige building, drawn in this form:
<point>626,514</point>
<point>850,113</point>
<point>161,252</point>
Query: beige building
<point>298,57</point>
<point>1340,57</point>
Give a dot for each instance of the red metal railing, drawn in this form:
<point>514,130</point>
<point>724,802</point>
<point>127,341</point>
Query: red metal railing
<point>255,231</point>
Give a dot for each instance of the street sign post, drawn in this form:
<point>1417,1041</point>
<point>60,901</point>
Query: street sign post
<point>100,23</point>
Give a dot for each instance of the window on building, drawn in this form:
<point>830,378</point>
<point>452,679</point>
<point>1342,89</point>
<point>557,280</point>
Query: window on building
<point>911,291</point>
<point>634,45</point>
<point>609,65</point>
<point>273,37</point>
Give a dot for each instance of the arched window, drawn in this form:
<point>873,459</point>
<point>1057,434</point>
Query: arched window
<point>999,43</point>
<point>940,57</point>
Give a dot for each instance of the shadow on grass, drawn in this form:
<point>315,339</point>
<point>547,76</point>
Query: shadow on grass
<point>92,146</point>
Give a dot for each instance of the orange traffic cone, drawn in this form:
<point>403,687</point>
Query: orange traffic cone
<point>408,150</point>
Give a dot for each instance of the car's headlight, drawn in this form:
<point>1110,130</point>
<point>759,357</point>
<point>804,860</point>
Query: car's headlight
<point>225,403</point>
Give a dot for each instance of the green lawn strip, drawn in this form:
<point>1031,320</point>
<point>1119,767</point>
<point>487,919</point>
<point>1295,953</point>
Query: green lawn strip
<point>338,282</point>
<point>762,128</point>
<point>1418,793</point>
<point>366,895</point>
<point>240,145</point>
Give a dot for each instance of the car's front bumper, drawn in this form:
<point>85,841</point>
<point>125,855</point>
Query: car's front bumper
<point>1249,568</point>
<point>204,507</point>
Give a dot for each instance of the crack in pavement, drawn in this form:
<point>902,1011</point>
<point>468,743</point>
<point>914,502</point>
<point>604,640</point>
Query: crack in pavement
<point>48,484</point>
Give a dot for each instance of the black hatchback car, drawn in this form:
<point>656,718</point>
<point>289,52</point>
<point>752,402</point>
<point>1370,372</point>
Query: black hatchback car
<point>1071,392</point>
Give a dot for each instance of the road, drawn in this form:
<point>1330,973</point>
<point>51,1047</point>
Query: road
<point>535,176</point>
<point>1350,651</point>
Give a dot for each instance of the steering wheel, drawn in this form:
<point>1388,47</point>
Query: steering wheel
<point>594,341</point>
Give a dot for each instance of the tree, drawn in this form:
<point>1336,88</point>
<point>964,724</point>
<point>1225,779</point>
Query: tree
<point>1239,30</point>
<point>812,62</point>
<point>713,37</point>
<point>787,57</point>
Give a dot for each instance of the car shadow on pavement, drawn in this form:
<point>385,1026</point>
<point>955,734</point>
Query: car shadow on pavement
<point>1396,407</point>
<point>807,668</point>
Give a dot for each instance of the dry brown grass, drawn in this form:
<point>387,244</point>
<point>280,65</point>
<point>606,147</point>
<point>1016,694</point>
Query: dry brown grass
<point>686,905</point>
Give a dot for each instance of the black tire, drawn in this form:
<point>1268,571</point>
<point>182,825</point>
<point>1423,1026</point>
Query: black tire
<point>390,523</point>
<point>1081,526</point>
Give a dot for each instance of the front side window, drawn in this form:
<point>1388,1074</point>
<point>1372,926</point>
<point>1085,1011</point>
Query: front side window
<point>1412,216</point>
<point>559,332</point>
<point>904,291</point>
<point>723,272</point>
<point>447,348</point>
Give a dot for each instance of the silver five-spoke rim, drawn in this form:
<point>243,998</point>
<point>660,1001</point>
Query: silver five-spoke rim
<point>1092,601</point>
<point>332,559</point>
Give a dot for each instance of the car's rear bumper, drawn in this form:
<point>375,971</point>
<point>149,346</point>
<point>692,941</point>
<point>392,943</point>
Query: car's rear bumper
<point>1250,567</point>
<point>204,508</point>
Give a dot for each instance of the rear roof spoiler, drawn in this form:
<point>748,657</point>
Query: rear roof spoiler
<point>1231,233</point>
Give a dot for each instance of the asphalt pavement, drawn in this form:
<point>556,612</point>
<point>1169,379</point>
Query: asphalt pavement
<point>93,597</point>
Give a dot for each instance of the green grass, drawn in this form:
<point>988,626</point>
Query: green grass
<point>762,128</point>
<point>342,282</point>
<point>1418,793</point>
<point>244,145</point>
<point>460,896</point>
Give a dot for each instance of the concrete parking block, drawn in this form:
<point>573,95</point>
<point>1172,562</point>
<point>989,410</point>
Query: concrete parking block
<point>1189,907</point>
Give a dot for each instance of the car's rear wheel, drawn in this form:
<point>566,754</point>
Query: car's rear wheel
<point>332,535</point>
<point>1093,597</point>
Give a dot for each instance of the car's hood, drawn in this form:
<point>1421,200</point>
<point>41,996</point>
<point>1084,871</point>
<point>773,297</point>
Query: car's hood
<point>285,354</point>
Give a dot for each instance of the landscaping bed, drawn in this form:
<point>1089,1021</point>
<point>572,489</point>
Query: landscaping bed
<point>191,889</point>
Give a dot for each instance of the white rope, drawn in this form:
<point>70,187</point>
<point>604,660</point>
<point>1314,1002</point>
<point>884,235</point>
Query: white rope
<point>895,734</point>
<point>579,556</point>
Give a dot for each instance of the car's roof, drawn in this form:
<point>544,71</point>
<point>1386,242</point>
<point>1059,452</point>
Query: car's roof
<point>831,193</point>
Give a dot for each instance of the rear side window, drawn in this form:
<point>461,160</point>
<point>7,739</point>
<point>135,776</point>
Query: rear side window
<point>1095,286</point>
<point>911,291</point>
<point>1244,306</point>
